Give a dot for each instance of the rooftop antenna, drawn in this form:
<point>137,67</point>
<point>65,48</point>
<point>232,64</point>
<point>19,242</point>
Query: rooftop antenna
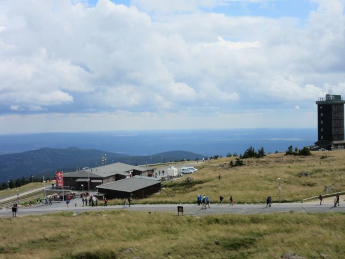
<point>330,92</point>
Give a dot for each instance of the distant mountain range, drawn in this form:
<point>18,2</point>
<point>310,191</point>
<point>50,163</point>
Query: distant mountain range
<point>46,161</point>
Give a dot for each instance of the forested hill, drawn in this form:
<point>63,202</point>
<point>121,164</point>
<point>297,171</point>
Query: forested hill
<point>46,161</point>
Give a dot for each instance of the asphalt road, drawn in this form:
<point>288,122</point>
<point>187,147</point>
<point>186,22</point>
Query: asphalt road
<point>189,209</point>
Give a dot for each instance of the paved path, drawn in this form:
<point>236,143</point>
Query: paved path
<point>189,209</point>
<point>15,197</point>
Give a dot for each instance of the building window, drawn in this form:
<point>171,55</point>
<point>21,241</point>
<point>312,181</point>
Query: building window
<point>321,137</point>
<point>321,129</point>
<point>321,122</point>
<point>321,114</point>
<point>320,107</point>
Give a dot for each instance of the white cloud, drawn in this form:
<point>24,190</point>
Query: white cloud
<point>58,56</point>
<point>232,45</point>
<point>172,6</point>
<point>288,89</point>
<point>16,108</point>
<point>297,107</point>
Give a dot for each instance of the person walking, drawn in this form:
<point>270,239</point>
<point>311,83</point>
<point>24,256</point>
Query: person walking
<point>86,201</point>
<point>335,201</point>
<point>94,201</point>
<point>269,201</point>
<point>208,201</point>
<point>75,202</point>
<point>337,196</point>
<point>221,199</point>
<point>124,202</point>
<point>231,201</point>
<point>203,202</point>
<point>105,202</point>
<point>129,201</point>
<point>50,201</point>
<point>14,210</point>
<point>320,198</point>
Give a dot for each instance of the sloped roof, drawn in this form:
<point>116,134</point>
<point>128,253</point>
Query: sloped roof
<point>131,184</point>
<point>81,174</point>
<point>106,171</point>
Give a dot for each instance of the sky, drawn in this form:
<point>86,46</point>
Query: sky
<point>104,65</point>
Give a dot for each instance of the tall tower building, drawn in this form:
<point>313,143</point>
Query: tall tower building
<point>330,121</point>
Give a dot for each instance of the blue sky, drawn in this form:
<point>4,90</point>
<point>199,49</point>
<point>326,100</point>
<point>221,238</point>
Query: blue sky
<point>76,65</point>
<point>274,9</point>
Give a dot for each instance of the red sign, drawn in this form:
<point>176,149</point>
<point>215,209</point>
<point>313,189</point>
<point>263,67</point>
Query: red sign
<point>59,179</point>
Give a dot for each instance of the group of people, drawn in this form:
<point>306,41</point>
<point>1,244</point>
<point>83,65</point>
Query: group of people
<point>125,201</point>
<point>48,201</point>
<point>221,198</point>
<point>92,200</point>
<point>204,201</point>
<point>335,201</point>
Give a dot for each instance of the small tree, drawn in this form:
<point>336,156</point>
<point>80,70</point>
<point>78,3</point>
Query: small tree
<point>304,152</point>
<point>238,162</point>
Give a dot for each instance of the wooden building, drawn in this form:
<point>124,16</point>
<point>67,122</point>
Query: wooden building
<point>89,178</point>
<point>135,187</point>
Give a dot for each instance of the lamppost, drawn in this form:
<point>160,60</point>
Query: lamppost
<point>279,188</point>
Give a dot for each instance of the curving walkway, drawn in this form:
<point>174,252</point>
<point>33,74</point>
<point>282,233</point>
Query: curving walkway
<point>189,209</point>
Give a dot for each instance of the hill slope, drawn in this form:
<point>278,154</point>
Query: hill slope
<point>46,161</point>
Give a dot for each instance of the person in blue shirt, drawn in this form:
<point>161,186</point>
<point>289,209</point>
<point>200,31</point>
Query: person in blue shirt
<point>207,202</point>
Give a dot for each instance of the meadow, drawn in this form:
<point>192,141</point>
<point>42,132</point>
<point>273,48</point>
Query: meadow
<point>21,189</point>
<point>300,177</point>
<point>128,234</point>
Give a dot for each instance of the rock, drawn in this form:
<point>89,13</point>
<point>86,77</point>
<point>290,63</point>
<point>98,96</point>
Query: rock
<point>304,174</point>
<point>75,214</point>
<point>189,180</point>
<point>291,256</point>
<point>217,242</point>
<point>328,189</point>
<point>325,256</point>
<point>129,250</point>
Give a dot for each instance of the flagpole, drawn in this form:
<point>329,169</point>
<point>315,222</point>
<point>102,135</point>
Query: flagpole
<point>63,190</point>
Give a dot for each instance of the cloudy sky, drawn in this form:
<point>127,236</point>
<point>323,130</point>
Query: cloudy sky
<point>77,65</point>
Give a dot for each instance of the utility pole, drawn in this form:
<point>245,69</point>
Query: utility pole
<point>279,188</point>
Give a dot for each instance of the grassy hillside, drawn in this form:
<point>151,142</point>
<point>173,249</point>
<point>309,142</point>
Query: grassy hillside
<point>300,176</point>
<point>125,234</point>
<point>21,189</point>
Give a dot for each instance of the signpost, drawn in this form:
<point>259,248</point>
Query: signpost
<point>179,209</point>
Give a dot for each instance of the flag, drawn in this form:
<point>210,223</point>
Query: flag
<point>59,179</point>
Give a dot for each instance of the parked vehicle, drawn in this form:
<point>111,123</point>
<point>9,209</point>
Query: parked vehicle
<point>186,171</point>
<point>192,169</point>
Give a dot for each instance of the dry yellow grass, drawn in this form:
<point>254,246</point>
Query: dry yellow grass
<point>24,188</point>
<point>125,234</point>
<point>257,179</point>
